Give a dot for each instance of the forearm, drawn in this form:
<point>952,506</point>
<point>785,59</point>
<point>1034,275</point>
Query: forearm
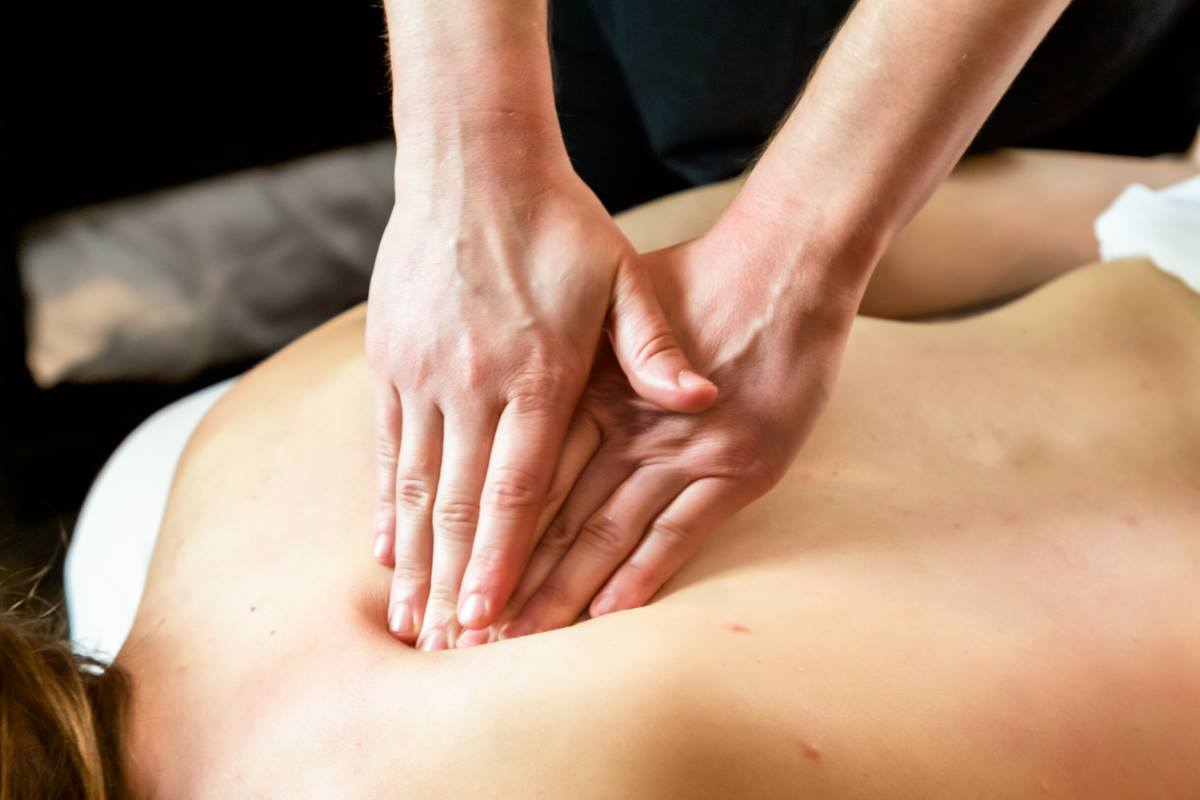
<point>472,80</point>
<point>999,225</point>
<point>1002,224</point>
<point>890,108</point>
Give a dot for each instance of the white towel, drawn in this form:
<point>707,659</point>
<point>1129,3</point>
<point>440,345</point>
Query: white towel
<point>1163,226</point>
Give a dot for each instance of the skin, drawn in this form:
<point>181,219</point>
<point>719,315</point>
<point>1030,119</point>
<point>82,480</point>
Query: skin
<point>498,271</point>
<point>976,588</point>
<point>674,477</point>
<point>494,276</point>
<point>957,251</point>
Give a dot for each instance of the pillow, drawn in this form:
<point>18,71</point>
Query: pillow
<point>166,285</point>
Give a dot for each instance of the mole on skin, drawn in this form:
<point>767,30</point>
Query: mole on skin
<point>811,751</point>
<point>735,627</point>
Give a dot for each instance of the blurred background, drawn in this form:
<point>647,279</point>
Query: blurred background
<point>103,102</point>
<point>183,189</point>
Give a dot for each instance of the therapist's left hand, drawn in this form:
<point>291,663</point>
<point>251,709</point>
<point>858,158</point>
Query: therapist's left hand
<point>659,482</point>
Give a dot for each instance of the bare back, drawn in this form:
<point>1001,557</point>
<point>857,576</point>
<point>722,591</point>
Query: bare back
<point>981,578</point>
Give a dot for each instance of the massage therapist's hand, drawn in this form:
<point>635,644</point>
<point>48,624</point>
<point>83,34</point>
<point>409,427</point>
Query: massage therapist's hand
<point>767,297</point>
<point>494,278</point>
<point>659,481</point>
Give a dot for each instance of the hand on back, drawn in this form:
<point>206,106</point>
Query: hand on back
<point>657,482</point>
<point>486,308</point>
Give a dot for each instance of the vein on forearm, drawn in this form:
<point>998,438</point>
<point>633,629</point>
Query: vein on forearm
<point>889,109</point>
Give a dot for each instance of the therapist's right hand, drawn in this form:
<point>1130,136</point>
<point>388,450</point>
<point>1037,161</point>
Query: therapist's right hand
<point>494,281</point>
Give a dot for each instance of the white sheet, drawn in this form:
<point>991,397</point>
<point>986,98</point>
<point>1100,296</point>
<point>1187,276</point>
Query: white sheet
<point>118,525</point>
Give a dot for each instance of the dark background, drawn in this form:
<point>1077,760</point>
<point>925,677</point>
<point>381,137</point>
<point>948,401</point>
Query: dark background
<point>101,101</point>
<point>105,100</point>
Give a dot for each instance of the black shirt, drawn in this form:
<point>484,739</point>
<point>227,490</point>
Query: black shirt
<point>656,95</point>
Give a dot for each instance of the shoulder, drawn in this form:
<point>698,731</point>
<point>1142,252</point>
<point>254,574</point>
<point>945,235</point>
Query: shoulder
<point>307,385</point>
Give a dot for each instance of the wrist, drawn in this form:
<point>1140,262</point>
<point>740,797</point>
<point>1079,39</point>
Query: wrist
<point>496,126</point>
<point>817,258</point>
<point>481,60</point>
<point>480,155</point>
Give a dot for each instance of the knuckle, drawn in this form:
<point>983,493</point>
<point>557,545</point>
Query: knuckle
<point>455,514</point>
<point>604,534</point>
<point>670,533</point>
<point>386,450</point>
<point>486,561</point>
<point>653,346</point>
<point>749,461</point>
<point>766,471</point>
<point>540,390</point>
<point>475,376</point>
<point>409,577</point>
<point>413,495</point>
<point>558,536</point>
<point>513,489</point>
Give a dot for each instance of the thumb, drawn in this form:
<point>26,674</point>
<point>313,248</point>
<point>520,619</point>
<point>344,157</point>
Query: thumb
<point>647,350</point>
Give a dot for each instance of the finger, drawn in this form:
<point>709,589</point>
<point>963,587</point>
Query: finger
<point>605,540</point>
<point>416,487</point>
<point>529,436</point>
<point>466,446</point>
<point>579,445</point>
<point>469,638</point>
<point>387,450</point>
<point>673,538</point>
<point>647,349</point>
<point>599,480</point>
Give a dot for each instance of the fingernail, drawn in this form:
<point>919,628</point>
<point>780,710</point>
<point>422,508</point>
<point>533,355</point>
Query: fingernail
<point>516,629</point>
<point>473,610</point>
<point>604,604</point>
<point>379,548</point>
<point>401,621</point>
<point>690,380</point>
<point>436,640</point>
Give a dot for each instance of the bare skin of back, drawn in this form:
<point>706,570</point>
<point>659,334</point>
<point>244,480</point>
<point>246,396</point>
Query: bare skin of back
<point>979,580</point>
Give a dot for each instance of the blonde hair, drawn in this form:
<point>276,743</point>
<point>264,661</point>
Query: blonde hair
<point>62,716</point>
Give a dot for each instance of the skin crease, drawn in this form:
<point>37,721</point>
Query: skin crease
<point>943,598</point>
<point>498,269</point>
